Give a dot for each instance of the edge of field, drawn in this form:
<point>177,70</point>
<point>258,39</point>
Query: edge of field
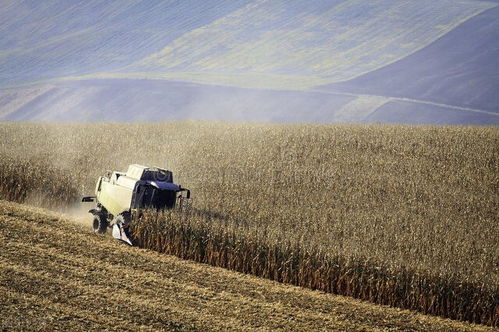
<point>56,274</point>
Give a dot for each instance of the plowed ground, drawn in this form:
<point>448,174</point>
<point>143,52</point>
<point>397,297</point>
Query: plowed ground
<point>57,274</point>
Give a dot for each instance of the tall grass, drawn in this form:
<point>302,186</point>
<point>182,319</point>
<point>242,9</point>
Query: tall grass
<point>406,216</point>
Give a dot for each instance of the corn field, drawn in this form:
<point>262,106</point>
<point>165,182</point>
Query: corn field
<point>399,215</point>
<point>251,250</point>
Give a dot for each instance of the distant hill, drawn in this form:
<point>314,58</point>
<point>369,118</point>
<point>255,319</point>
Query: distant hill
<point>281,61</point>
<point>461,68</point>
<point>130,100</point>
<point>54,38</point>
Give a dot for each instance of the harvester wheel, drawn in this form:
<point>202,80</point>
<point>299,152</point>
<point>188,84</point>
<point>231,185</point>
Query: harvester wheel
<point>100,224</point>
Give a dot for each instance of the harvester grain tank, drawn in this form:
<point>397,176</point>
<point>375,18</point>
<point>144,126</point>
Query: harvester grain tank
<point>120,196</point>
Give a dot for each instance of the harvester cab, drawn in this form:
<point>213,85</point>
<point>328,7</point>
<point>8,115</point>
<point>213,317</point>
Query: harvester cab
<point>120,196</point>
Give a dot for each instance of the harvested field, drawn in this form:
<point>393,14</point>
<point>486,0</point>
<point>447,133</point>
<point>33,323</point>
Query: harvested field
<point>55,274</point>
<point>409,212</point>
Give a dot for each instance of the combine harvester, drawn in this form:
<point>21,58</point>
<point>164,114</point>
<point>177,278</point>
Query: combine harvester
<point>121,196</point>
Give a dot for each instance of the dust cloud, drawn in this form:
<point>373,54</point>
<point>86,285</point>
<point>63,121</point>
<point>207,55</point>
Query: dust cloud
<point>78,213</point>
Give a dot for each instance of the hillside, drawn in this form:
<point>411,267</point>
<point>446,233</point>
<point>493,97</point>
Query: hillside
<point>56,274</point>
<point>397,215</point>
<point>461,68</point>
<point>415,62</point>
<point>42,40</point>
<point>130,100</point>
<point>249,44</point>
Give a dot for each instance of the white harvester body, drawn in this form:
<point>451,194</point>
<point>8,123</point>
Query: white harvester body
<point>121,195</point>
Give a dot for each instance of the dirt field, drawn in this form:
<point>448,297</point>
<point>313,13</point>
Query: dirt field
<point>57,274</point>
